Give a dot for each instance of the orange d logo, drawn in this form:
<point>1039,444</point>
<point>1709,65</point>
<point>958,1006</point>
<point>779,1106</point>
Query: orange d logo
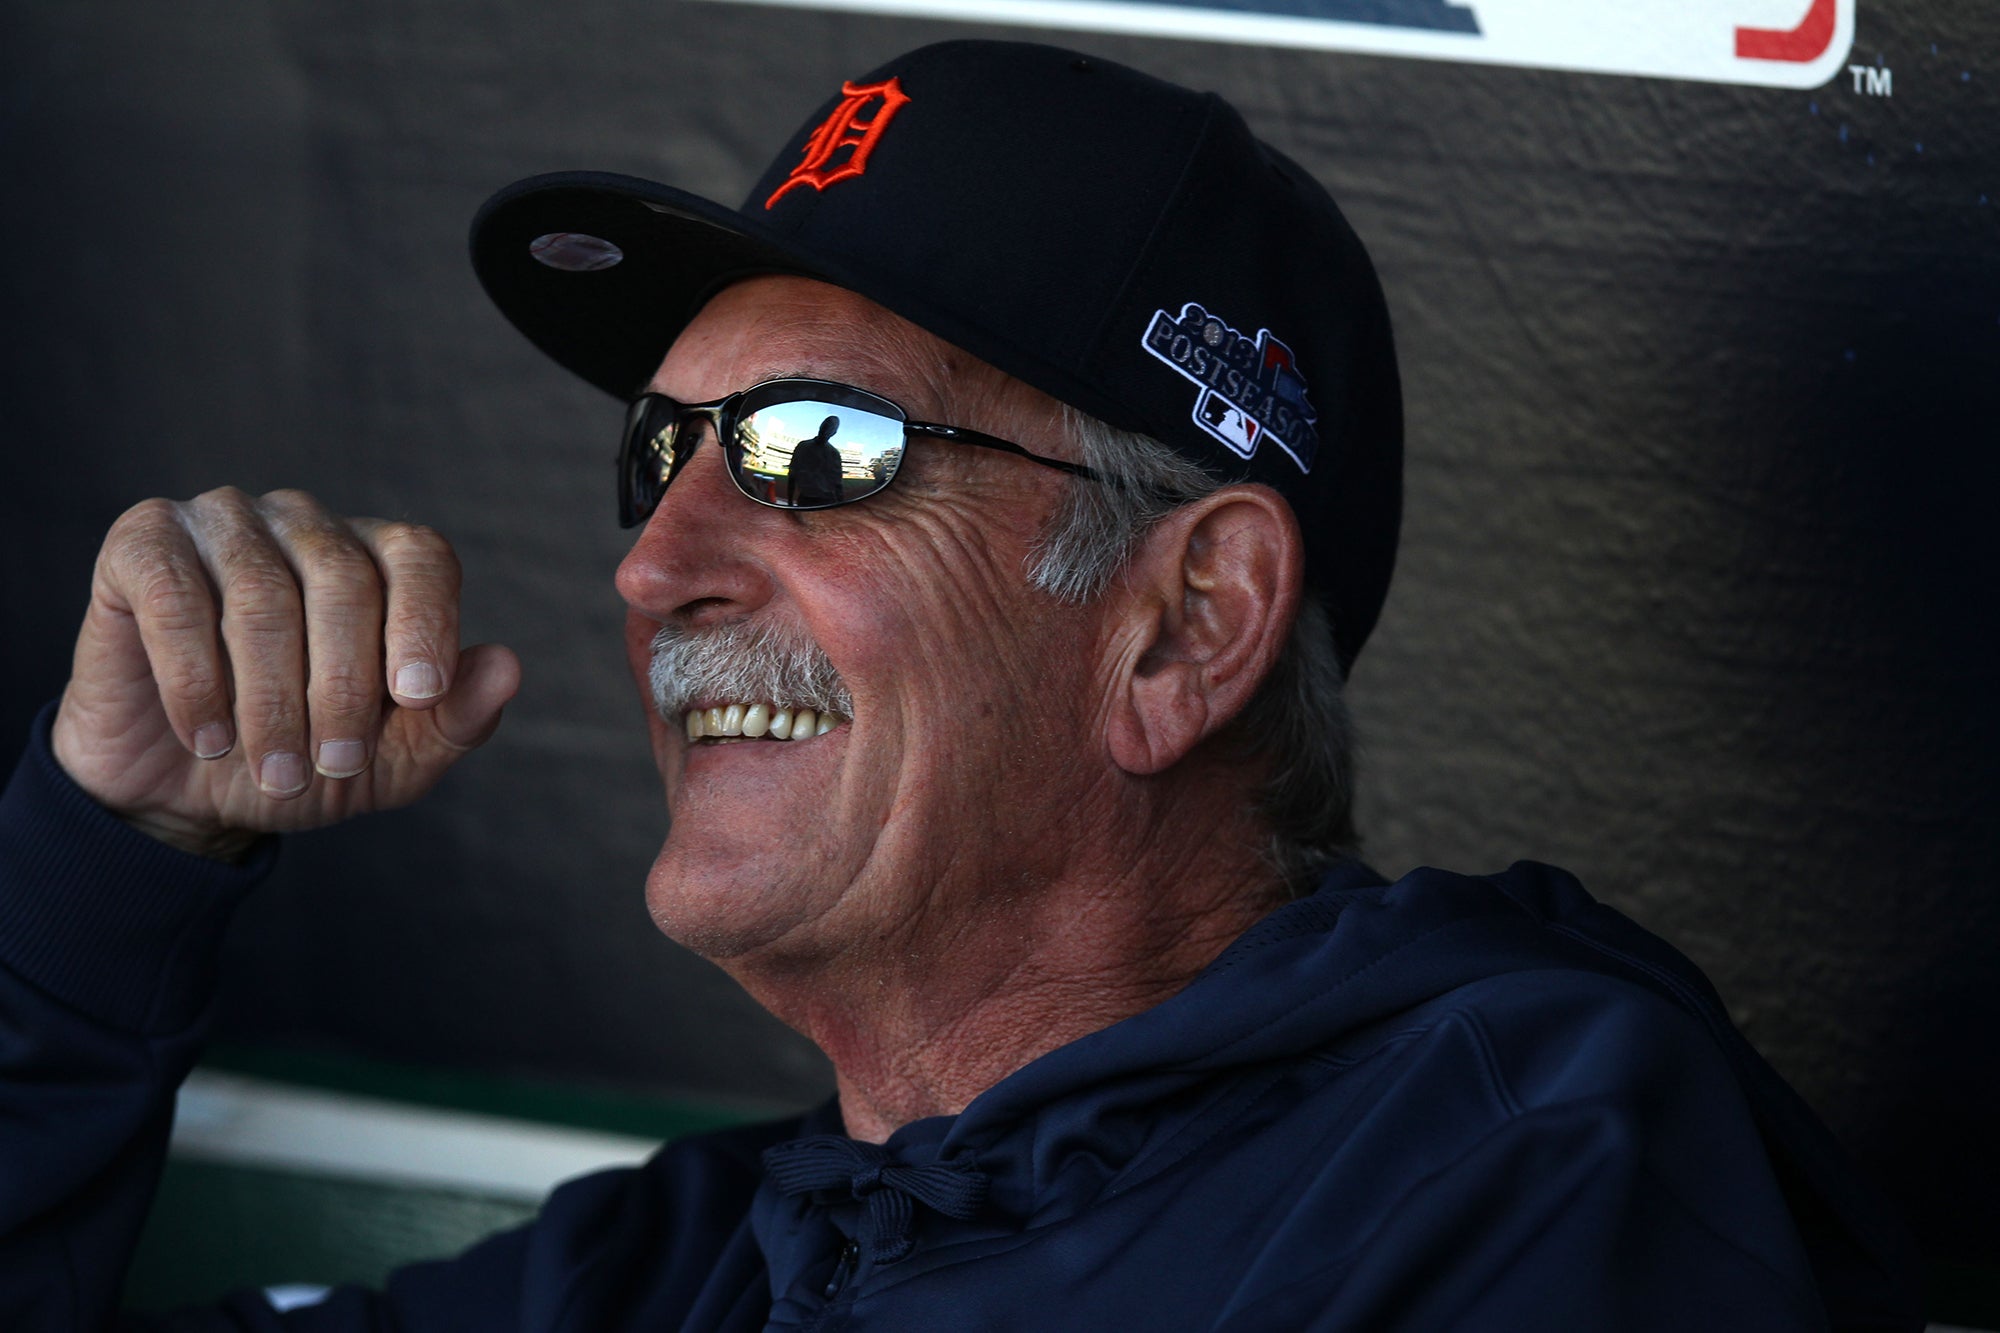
<point>845,129</point>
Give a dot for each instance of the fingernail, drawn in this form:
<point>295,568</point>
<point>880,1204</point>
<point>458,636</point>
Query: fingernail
<point>342,759</point>
<point>419,680</point>
<point>283,773</point>
<point>212,740</point>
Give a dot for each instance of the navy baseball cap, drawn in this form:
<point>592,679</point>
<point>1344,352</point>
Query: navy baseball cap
<point>1124,244</point>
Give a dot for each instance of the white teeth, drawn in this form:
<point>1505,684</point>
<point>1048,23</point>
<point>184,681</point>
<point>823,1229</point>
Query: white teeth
<point>758,720</point>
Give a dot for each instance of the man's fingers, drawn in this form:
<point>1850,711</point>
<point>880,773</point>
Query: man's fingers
<point>270,630</point>
<point>263,626</point>
<point>420,628</point>
<point>152,571</point>
<point>342,596</point>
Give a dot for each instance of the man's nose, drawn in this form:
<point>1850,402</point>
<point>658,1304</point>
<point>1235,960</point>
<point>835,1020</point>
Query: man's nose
<point>695,556</point>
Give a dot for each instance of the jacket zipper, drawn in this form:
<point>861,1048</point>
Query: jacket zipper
<point>843,1270</point>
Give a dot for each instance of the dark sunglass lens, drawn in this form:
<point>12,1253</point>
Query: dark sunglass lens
<point>811,453</point>
<point>645,461</point>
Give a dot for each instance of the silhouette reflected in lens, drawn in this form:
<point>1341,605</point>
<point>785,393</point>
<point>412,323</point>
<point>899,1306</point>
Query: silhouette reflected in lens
<point>814,477</point>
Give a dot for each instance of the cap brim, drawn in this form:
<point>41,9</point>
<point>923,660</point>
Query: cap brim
<point>612,325</point>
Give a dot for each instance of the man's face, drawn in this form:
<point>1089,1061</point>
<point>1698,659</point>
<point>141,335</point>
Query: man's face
<point>975,743</point>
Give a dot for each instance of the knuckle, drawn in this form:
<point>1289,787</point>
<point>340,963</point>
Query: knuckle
<point>257,588</point>
<point>275,723</point>
<point>291,510</point>
<point>342,619</point>
<point>145,538</point>
<point>427,626</point>
<point>221,500</point>
<point>230,533</point>
<point>343,568</point>
<point>171,601</point>
<point>190,682</point>
<point>346,693</point>
<point>304,524</point>
<point>339,574</point>
<point>289,498</point>
<point>417,543</point>
<point>145,518</point>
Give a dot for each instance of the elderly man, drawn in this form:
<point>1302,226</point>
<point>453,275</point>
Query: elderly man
<point>1014,773</point>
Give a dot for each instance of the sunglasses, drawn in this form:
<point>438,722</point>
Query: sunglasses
<point>787,443</point>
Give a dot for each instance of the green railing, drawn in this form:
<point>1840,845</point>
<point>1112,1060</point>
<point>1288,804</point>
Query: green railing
<point>314,1204</point>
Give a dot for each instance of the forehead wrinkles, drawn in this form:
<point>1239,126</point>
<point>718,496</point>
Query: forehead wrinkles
<point>760,330</point>
<point>887,355</point>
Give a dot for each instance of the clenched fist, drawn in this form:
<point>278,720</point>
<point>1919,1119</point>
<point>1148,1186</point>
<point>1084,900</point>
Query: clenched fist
<point>257,664</point>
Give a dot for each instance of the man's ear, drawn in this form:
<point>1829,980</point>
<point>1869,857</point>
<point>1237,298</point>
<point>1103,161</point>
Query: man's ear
<point>1209,600</point>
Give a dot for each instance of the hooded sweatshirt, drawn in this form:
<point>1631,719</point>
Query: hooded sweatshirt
<point>1450,1102</point>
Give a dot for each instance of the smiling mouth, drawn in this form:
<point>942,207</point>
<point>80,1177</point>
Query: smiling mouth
<point>759,721</point>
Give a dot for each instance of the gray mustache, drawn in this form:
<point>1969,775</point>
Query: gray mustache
<point>745,662</point>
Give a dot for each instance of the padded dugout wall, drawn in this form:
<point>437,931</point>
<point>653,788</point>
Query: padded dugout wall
<point>1696,592</point>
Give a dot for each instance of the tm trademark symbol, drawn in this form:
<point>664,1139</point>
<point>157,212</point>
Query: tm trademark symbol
<point>1870,80</point>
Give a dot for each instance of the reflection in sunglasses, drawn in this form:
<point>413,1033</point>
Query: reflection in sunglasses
<point>789,443</point>
<point>820,457</point>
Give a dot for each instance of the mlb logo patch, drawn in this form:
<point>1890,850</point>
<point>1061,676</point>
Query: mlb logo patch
<point>1251,387</point>
<point>1226,422</point>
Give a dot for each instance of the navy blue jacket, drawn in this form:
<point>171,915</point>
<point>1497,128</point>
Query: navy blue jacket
<point>1443,1103</point>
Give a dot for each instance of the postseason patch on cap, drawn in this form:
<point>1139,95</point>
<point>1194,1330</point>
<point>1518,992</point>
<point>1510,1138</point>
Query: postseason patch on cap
<point>1250,386</point>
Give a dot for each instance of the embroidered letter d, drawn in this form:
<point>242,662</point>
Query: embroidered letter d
<point>844,128</point>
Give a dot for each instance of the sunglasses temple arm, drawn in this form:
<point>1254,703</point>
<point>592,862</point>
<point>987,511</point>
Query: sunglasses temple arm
<point>961,435</point>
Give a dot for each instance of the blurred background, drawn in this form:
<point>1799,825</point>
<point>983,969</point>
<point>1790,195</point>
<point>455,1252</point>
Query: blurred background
<point>1697,594</point>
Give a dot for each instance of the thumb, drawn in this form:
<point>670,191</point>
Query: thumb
<point>488,676</point>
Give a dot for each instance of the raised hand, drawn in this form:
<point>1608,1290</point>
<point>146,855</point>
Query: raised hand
<point>257,664</point>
